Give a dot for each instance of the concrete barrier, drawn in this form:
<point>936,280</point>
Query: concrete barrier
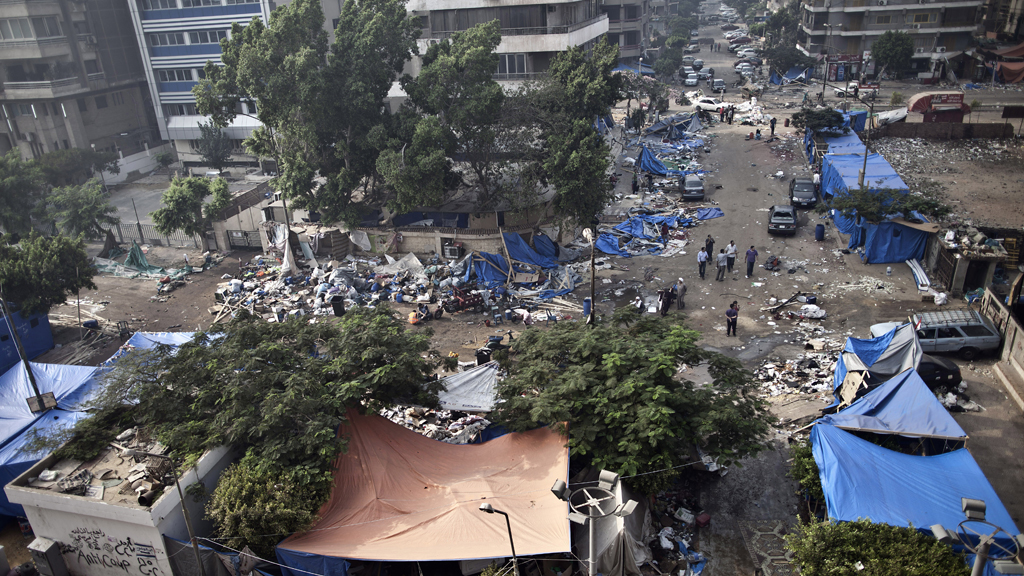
<point>943,131</point>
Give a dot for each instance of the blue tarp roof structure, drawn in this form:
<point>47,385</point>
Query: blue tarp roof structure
<point>488,268</point>
<point>795,74</point>
<point>648,162</point>
<point>884,356</point>
<point>903,405</point>
<point>864,480</point>
<point>35,334</point>
<point>610,245</point>
<point>545,246</point>
<point>856,119</point>
<point>839,174</point>
<point>647,70</point>
<point>14,461</point>
<point>646,227</point>
<point>68,384</point>
<point>890,242</point>
<point>520,251</point>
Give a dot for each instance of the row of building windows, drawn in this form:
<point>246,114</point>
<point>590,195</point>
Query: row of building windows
<point>28,28</point>
<point>195,37</point>
<point>190,109</point>
<point>173,4</point>
<point>180,75</point>
<point>925,18</point>
<point>42,109</point>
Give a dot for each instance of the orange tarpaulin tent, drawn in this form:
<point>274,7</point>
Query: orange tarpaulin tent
<point>400,496</point>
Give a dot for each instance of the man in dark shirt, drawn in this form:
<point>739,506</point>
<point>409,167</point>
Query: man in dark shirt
<point>730,318</point>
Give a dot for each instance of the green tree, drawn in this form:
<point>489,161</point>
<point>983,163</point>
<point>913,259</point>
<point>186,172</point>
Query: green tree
<point>893,51</point>
<point>876,204</point>
<point>84,209</point>
<point>782,58</point>
<point>20,192</point>
<point>805,471</point>
<point>975,105</point>
<point>164,159</point>
<point>620,394</point>
<point>183,208</point>
<point>277,393</point>
<point>896,99</point>
<point>827,121</point>
<point>590,88</point>
<point>213,146</point>
<point>668,62</point>
<point>863,548</point>
<point>40,272</point>
<point>578,164</point>
<point>75,165</point>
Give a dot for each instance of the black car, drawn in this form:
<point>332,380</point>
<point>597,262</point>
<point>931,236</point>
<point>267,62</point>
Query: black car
<point>802,192</point>
<point>939,372</point>
<point>782,220</point>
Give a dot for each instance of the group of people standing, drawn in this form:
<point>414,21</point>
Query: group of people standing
<point>726,113</point>
<point>724,260</point>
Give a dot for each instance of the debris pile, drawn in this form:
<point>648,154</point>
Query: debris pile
<point>441,425</point>
<point>677,515</point>
<point>810,373</point>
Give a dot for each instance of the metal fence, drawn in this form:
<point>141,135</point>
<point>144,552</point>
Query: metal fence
<point>147,234</point>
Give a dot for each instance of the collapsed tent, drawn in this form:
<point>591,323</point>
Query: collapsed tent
<point>610,245</point>
<point>795,74</point>
<point>646,226</point>
<point>34,332</point>
<point>520,251</point>
<point>399,496</point>
<point>15,459</point>
<point>648,162</point>
<point>903,405</point>
<point>137,266</point>
<point>865,360</point>
<point>472,390</point>
<point>864,480</point>
<point>676,127</point>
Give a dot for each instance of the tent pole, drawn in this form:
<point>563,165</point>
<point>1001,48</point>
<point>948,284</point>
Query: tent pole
<point>501,233</point>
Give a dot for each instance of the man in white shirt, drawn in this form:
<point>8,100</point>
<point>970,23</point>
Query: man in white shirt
<point>730,255</point>
<point>720,260</point>
<point>702,261</point>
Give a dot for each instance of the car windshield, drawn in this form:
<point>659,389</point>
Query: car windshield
<point>783,217</point>
<point>806,188</point>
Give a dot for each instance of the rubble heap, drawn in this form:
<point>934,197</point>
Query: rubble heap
<point>442,425</point>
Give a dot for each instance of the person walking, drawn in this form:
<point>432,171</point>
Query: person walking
<point>730,255</point>
<point>751,258</point>
<point>772,124</point>
<point>664,233</point>
<point>721,114</point>
<point>720,260</point>
<point>680,289</point>
<point>636,183</point>
<point>666,301</point>
<point>702,261</point>
<point>709,245</point>
<point>730,318</point>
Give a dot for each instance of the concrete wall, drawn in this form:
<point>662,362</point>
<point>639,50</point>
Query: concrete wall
<point>937,131</point>
<point>100,538</point>
<point>425,240</point>
<point>1013,332</point>
<point>136,165</point>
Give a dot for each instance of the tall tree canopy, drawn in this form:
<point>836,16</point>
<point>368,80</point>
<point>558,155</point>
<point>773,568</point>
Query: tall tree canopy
<point>627,405</point>
<point>183,207</point>
<point>213,146</point>
<point>20,192</point>
<point>893,50</point>
<point>40,272</point>
<point>82,209</point>
<point>875,205</point>
<point>75,165</point>
<point>319,105</point>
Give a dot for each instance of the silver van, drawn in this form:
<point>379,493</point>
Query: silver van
<point>965,332</point>
<point>692,187</point>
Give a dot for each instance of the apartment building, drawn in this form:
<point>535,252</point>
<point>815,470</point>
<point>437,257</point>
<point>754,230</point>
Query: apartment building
<point>629,24</point>
<point>72,78</point>
<point>845,29</point>
<point>1005,17</point>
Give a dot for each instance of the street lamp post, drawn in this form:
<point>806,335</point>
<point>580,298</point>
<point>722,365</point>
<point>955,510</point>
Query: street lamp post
<point>485,507</point>
<point>867,141</point>
<point>181,497</point>
<point>974,510</point>
<point>589,504</point>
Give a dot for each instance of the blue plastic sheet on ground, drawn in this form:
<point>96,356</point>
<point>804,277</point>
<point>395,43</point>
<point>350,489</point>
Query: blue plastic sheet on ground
<point>709,213</point>
<point>864,480</point>
<point>610,245</point>
<point>648,162</point>
<point>646,227</point>
<point>544,246</point>
<point>520,251</point>
<point>489,268</point>
<point>545,294</point>
<point>795,74</point>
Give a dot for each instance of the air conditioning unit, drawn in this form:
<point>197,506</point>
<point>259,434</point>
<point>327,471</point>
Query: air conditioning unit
<point>920,50</point>
<point>940,49</point>
<point>916,26</point>
<point>92,40</point>
<point>883,2</point>
<point>432,42</point>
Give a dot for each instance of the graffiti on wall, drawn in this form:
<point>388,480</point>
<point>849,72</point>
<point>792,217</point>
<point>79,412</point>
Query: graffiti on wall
<point>92,547</point>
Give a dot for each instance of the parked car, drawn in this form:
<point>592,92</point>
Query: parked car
<point>703,75</point>
<point>727,27</point>
<point>736,34</point>
<point>738,43</point>
<point>750,60</point>
<point>802,192</point>
<point>692,49</point>
<point>707,104</point>
<point>691,80</point>
<point>965,332</point>
<point>698,64</point>
<point>746,53</point>
<point>782,220</point>
<point>744,69</point>
<point>692,187</point>
<point>688,60</point>
<point>939,372</point>
<point>686,71</point>
<point>718,85</point>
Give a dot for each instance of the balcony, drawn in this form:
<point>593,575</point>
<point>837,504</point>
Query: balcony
<point>876,5</point>
<point>35,48</point>
<point>42,90</point>
<point>545,38</point>
<point>517,77</point>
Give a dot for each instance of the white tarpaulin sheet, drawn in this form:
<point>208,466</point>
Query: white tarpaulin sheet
<point>472,390</point>
<point>409,263</point>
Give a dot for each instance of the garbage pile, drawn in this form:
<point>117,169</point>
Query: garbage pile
<point>809,373</point>
<point>641,233</point>
<point>926,157</point>
<point>442,425</point>
<point>677,515</point>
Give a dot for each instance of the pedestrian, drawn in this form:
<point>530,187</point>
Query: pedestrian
<point>650,183</point>
<point>720,260</point>
<point>186,259</point>
<point>732,111</point>
<point>680,289</point>
<point>636,183</point>
<point>817,181</point>
<point>709,81</point>
<point>665,300</point>
<point>772,124</point>
<point>757,134</point>
<point>702,261</point>
<point>721,114</point>
<point>730,255</point>
<point>730,318</point>
<point>709,244</point>
<point>751,258</point>
<point>638,305</point>
<point>856,91</point>
<point>664,233</point>
<point>711,71</point>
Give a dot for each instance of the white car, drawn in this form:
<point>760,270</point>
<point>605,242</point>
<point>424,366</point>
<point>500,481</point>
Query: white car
<point>707,104</point>
<point>691,80</point>
<point>746,53</point>
<point>735,34</point>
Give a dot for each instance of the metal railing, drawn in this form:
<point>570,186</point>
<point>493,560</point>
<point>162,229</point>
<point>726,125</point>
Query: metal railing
<point>533,30</point>
<point>96,76</point>
<point>33,42</point>
<point>53,85</point>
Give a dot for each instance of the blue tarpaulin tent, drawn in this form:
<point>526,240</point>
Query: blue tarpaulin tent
<point>520,251</point>
<point>903,405</point>
<point>856,119</point>
<point>14,460</point>
<point>884,356</point>
<point>35,334</point>
<point>545,246</point>
<point>488,268</point>
<point>647,70</point>
<point>864,480</point>
<point>795,74</point>
<point>610,245</point>
<point>648,162</point>
<point>646,227</point>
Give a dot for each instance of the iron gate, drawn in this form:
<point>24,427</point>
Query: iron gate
<point>244,239</point>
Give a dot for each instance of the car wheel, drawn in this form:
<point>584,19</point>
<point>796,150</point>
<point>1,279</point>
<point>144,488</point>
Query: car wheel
<point>969,353</point>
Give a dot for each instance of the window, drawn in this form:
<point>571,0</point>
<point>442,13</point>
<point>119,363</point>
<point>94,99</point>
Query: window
<point>927,334</point>
<point>200,73</point>
<point>335,21</point>
<point>159,4</point>
<point>252,107</point>
<point>181,75</point>
<point>81,27</point>
<point>511,63</point>
<point>179,109</point>
<point>949,333</point>
<point>101,102</point>
<point>976,331</point>
<point>91,67</point>
<point>46,27</point>
<point>56,108</point>
<point>43,108</point>
<point>66,145</point>
<point>925,18</point>
<point>167,39</point>
<point>199,3</point>
<point>887,19</point>
<point>207,36</point>
<point>243,1</point>
<point>15,29</point>
<point>25,109</point>
<point>117,98</point>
